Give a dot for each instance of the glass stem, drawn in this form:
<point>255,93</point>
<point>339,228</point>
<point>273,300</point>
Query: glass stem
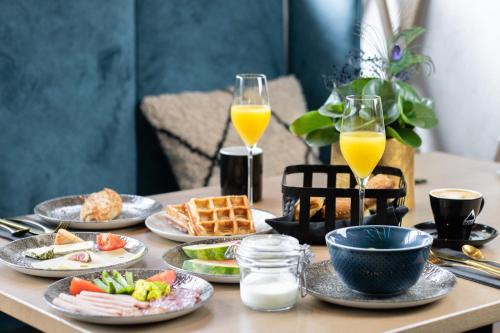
<point>362,187</point>
<point>250,175</point>
<point>361,204</point>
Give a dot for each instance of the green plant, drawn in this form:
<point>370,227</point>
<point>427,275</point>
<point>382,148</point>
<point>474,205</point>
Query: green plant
<point>404,109</point>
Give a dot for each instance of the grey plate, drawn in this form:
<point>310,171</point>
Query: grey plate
<point>12,255</point>
<point>158,224</point>
<point>174,258</point>
<point>67,209</point>
<point>323,283</point>
<point>183,281</point>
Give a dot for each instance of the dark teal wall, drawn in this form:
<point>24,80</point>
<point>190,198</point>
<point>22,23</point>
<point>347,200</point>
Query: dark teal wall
<point>321,36</point>
<point>199,45</point>
<point>67,98</point>
<point>72,74</point>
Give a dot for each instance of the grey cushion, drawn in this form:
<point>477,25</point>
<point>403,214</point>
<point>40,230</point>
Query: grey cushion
<point>192,125</point>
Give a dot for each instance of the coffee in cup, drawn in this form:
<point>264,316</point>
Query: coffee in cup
<point>455,211</point>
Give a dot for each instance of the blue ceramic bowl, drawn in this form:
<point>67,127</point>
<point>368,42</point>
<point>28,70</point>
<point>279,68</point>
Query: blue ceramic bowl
<point>381,260</point>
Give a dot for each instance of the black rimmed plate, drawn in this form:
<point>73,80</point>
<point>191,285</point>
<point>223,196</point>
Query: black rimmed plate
<point>323,283</point>
<point>183,281</point>
<point>135,210</point>
<point>480,235</point>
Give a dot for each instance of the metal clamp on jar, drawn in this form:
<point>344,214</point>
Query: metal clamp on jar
<point>272,269</point>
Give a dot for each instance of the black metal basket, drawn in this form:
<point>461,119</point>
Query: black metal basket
<point>385,199</point>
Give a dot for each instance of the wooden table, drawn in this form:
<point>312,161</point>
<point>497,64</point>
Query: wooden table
<point>469,305</point>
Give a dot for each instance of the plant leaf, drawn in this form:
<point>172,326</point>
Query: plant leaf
<point>409,35</point>
<point>322,136</point>
<point>332,110</point>
<point>308,122</point>
<point>409,59</point>
<point>406,91</point>
<point>390,105</point>
<point>418,115</point>
<point>355,87</point>
<point>404,135</point>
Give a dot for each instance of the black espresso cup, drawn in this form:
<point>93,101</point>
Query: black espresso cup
<point>234,171</point>
<point>455,211</point>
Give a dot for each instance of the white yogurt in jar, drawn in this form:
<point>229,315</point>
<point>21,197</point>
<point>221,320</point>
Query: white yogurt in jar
<point>269,292</point>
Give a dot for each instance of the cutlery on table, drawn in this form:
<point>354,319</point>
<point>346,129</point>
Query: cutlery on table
<point>15,225</point>
<point>476,254</point>
<point>46,230</point>
<point>440,262</point>
<point>468,263</point>
<point>14,232</point>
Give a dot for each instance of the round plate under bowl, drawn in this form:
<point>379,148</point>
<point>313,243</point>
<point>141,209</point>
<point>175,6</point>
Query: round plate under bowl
<point>174,258</point>
<point>13,256</point>
<point>323,283</point>
<point>480,235</point>
<point>158,224</point>
<point>67,209</point>
<point>183,281</point>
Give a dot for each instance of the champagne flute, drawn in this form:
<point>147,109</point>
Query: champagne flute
<point>362,139</point>
<point>250,114</point>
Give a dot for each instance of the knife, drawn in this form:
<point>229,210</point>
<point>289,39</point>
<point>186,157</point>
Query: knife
<point>20,226</point>
<point>468,262</point>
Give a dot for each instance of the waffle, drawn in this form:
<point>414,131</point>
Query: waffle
<point>178,216</point>
<point>219,216</point>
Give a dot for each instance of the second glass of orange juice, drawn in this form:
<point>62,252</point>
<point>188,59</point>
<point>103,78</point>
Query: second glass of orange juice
<point>362,139</point>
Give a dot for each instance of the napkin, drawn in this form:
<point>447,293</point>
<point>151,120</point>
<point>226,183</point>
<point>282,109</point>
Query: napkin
<point>468,273</point>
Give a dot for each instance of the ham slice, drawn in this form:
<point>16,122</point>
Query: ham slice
<point>102,304</point>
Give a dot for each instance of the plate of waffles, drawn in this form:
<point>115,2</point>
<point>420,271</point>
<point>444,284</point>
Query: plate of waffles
<point>209,218</point>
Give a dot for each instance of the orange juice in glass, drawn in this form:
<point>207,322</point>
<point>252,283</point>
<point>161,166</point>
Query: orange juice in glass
<point>250,121</point>
<point>250,114</point>
<point>362,138</point>
<point>362,150</point>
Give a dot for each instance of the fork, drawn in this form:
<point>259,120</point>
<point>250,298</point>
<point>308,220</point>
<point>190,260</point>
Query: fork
<point>46,230</point>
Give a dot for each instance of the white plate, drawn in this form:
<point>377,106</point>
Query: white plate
<point>135,209</point>
<point>158,224</point>
<point>183,281</point>
<point>12,255</point>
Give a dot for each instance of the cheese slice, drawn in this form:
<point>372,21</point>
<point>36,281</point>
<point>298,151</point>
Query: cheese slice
<point>44,251</point>
<point>68,248</point>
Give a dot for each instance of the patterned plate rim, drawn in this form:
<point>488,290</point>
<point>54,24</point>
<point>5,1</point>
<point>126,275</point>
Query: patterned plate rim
<point>179,247</point>
<point>156,207</point>
<point>156,315</point>
<point>382,301</point>
<point>76,271</point>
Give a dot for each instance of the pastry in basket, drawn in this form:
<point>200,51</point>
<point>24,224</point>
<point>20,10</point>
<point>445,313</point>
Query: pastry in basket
<point>101,206</point>
<point>315,205</point>
<point>343,205</point>
<point>379,182</point>
<point>213,216</point>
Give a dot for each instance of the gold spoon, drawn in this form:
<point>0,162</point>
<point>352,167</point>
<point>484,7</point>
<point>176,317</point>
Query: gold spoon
<point>475,253</point>
<point>434,259</point>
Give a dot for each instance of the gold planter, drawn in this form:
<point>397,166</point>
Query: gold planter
<point>396,155</point>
